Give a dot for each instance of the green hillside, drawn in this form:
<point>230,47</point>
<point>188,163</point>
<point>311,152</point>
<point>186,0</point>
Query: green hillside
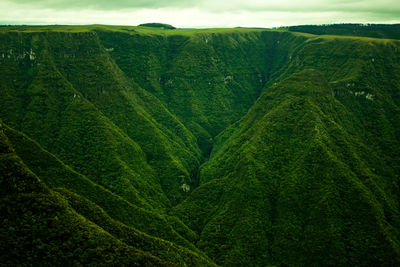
<point>57,175</point>
<point>39,227</point>
<point>290,182</point>
<point>158,25</point>
<point>207,79</point>
<point>241,147</point>
<point>386,31</point>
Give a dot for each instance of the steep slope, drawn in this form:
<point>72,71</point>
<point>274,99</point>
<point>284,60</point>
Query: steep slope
<point>63,90</point>
<point>158,247</point>
<point>207,78</point>
<point>292,183</point>
<point>39,227</point>
<point>57,175</point>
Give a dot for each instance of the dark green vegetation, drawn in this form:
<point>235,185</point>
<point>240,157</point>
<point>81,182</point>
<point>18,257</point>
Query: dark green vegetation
<point>158,25</point>
<point>38,226</point>
<point>386,31</point>
<point>139,145</point>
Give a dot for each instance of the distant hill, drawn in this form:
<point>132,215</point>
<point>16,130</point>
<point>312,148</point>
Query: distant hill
<point>387,31</point>
<point>158,25</point>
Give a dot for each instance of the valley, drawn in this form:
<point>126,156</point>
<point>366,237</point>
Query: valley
<point>199,147</point>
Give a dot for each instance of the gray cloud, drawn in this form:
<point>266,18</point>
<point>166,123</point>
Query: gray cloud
<point>199,13</point>
<point>381,6</point>
<point>107,4</point>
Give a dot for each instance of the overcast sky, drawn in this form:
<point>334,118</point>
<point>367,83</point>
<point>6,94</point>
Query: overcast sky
<point>199,13</point>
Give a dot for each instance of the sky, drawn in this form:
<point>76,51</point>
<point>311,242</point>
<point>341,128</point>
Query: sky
<point>199,13</point>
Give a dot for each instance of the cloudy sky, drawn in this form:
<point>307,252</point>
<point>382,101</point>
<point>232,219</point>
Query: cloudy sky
<point>199,13</point>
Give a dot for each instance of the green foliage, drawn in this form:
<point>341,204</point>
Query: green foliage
<point>386,31</point>
<point>292,178</point>
<point>57,175</point>
<point>158,25</point>
<point>63,102</point>
<point>256,147</point>
<point>40,228</point>
<point>163,249</point>
<point>207,79</point>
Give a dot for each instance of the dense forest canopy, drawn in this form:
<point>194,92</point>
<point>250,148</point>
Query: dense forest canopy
<point>156,146</point>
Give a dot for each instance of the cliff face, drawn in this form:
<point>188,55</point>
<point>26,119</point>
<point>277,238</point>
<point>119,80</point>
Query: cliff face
<point>251,146</point>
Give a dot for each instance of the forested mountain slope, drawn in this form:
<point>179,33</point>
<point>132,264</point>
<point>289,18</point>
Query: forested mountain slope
<point>209,79</point>
<point>38,226</point>
<point>253,147</point>
<point>293,183</point>
<point>386,31</point>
